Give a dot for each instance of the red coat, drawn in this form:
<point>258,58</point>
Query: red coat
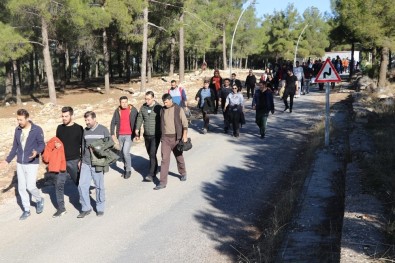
<point>55,158</point>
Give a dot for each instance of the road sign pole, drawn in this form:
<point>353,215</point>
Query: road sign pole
<point>327,115</point>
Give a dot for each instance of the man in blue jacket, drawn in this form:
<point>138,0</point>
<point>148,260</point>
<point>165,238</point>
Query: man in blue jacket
<point>27,146</point>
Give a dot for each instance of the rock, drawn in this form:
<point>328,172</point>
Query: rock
<point>34,105</point>
<point>7,104</point>
<point>98,89</point>
<point>24,104</point>
<point>366,83</point>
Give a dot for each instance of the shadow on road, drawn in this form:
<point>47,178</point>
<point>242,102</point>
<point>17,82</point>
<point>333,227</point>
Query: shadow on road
<point>244,189</point>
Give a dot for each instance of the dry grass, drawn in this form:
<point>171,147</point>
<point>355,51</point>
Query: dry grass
<point>380,166</point>
<point>280,214</point>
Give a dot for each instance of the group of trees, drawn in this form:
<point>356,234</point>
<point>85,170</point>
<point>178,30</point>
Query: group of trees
<point>55,40</point>
<point>368,24</point>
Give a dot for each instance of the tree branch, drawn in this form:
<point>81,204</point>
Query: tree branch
<point>161,28</point>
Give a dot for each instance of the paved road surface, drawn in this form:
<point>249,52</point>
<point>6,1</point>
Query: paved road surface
<point>201,220</point>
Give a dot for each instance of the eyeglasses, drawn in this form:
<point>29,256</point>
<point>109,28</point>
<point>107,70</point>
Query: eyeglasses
<point>234,88</point>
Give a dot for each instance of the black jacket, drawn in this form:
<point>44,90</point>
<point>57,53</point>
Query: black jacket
<point>115,121</point>
<point>250,81</point>
<point>209,102</point>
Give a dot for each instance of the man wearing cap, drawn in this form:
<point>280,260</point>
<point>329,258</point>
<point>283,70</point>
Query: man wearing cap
<point>124,121</point>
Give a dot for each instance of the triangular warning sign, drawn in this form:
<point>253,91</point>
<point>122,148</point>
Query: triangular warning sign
<point>327,73</point>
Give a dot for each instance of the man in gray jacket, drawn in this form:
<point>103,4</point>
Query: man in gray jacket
<point>150,115</point>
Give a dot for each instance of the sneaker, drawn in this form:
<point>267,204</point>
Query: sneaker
<point>84,214</point>
<point>100,213</point>
<point>128,174</point>
<point>25,215</point>
<point>59,213</point>
<point>159,187</point>
<point>262,136</point>
<point>204,130</point>
<point>286,108</point>
<point>40,206</point>
<point>148,178</point>
<point>183,178</point>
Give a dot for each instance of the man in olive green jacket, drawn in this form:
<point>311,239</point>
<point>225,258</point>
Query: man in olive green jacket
<point>150,115</point>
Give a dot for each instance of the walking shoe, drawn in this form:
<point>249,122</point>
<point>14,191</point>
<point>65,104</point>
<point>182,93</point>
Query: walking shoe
<point>128,174</point>
<point>226,130</point>
<point>40,206</point>
<point>148,178</point>
<point>100,213</point>
<point>262,136</point>
<point>204,130</point>
<point>59,213</point>
<point>159,187</point>
<point>290,110</point>
<point>24,215</point>
<point>183,178</point>
<point>286,108</point>
<point>84,214</point>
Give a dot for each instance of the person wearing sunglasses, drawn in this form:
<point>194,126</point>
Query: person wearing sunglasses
<point>234,110</point>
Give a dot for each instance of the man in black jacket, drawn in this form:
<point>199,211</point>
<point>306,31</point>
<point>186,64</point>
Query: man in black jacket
<point>263,104</point>
<point>150,115</point>
<point>234,81</point>
<point>250,83</point>
<point>124,120</point>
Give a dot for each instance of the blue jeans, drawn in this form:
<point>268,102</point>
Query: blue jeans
<point>86,175</point>
<point>125,143</point>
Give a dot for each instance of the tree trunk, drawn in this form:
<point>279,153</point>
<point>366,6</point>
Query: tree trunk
<point>47,62</point>
<point>31,69</point>
<point>83,65</point>
<point>106,63</point>
<point>119,59</point>
<point>62,67</point>
<point>96,67</point>
<point>172,56</point>
<point>383,67</point>
<point>145,48</point>
<point>150,66</point>
<point>8,82</point>
<point>37,73</point>
<point>374,54</point>
<point>67,66</point>
<point>181,50</point>
<point>127,63</point>
<point>352,61</point>
<point>17,82</point>
<point>224,46</point>
<point>246,63</point>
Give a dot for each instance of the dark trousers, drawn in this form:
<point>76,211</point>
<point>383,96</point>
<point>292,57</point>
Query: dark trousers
<point>291,99</point>
<point>235,120</point>
<point>169,145</point>
<point>151,145</point>
<point>216,102</point>
<point>72,170</point>
<point>249,88</point>
<point>226,122</point>
<point>206,119</point>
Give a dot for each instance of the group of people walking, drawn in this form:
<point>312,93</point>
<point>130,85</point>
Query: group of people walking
<point>85,154</point>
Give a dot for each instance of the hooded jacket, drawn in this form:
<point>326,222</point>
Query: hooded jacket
<point>55,158</point>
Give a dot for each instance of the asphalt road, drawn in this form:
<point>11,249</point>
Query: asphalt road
<point>205,219</point>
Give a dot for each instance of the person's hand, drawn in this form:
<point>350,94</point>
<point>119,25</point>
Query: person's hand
<point>34,154</point>
<point>58,145</point>
<point>137,139</point>
<point>185,139</point>
<point>79,165</point>
<point>3,164</point>
<point>253,107</point>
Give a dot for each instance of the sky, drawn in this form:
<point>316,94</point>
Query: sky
<point>268,6</point>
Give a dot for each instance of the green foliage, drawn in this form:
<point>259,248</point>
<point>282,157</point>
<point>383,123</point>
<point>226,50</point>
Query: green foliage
<point>12,44</point>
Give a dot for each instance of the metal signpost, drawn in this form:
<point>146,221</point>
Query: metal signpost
<point>327,74</point>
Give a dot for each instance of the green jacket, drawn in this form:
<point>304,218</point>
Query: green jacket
<point>150,119</point>
<point>102,154</point>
